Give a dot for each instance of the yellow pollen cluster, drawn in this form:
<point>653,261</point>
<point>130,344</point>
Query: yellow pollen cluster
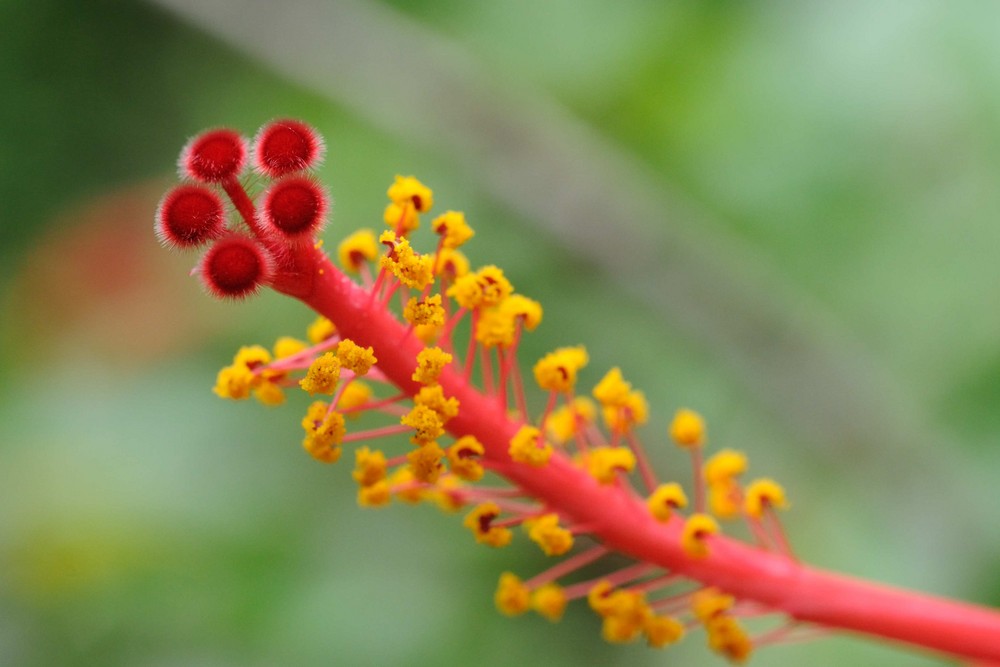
<point>549,601</point>
<point>604,463</point>
<point>512,597</point>
<point>425,462</point>
<point>565,421</point>
<point>528,447</point>
<point>356,249</point>
<point>622,407</point>
<point>320,329</point>
<point>709,603</point>
<point>633,412</point>
<point>323,375</point>
<point>236,380</point>
<point>424,312</point>
<point>451,264</point>
<point>354,395</point>
<point>626,615</point>
<point>688,428</point>
<point>546,533</point>
<point>286,346</point>
<point>324,432</point>
<point>720,472</point>
<point>557,371</point>
<point>665,499</point>
<point>520,306</point>
<point>432,396</point>
<point>370,474</point>
<point>697,529</point>
<point>453,229</point>
<point>410,267</point>
<point>762,494</point>
<point>407,189</point>
<point>426,422</point>
<point>497,326</point>
<point>430,362</point>
<point>728,638</point>
<point>463,458</point>
<point>355,358</point>
<point>480,522</point>
<point>612,390</point>
<point>486,287</point>
<point>725,635</point>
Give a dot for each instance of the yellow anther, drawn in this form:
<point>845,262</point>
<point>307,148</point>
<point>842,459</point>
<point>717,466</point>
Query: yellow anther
<point>252,356</point>
<point>564,422</point>
<point>665,499</point>
<point>426,422</point>
<point>446,495</point>
<point>696,531</point>
<point>480,522</point>
<point>633,412</point>
<point>452,264</point>
<point>356,249</point>
<point>495,328</point>
<point>323,375</point>
<point>376,495</point>
<point>519,306</point>
<point>557,371</point>
<point>546,532</point>
<point>370,466</point>
<point>463,458</point>
<point>687,428</point>
<point>599,597</point>
<point>663,631</point>
<point>432,396</point>
<point>324,432</point>
<point>761,494</point>
<point>728,638</point>
<point>427,333</point>
<point>404,486</point>
<point>407,189</point>
<point>425,462</point>
<point>320,329</point>
<point>710,603</point>
<point>549,601</point>
<point>430,362</point>
<point>612,390</point>
<point>486,287</point>
<point>512,597</point>
<point>724,465</point>
<point>287,346</point>
<point>528,447</point>
<point>724,499</point>
<point>234,382</point>
<point>625,616</point>
<point>355,358</point>
<point>402,217</point>
<point>426,312</point>
<point>354,395</point>
<point>269,393</point>
<point>604,463</point>
<point>453,229</point>
<point>410,267</point>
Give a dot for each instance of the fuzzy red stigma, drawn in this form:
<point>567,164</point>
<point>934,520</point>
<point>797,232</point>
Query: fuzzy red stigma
<point>235,267</point>
<point>214,156</point>
<point>294,207</point>
<point>284,146</point>
<point>190,215</point>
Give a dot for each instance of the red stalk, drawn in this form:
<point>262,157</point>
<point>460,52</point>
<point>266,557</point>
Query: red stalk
<point>622,521</point>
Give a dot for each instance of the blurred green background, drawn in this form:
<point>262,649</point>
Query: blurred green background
<point>782,214</point>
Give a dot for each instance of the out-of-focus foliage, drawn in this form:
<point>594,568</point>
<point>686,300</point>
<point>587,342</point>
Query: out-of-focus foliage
<point>850,150</point>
